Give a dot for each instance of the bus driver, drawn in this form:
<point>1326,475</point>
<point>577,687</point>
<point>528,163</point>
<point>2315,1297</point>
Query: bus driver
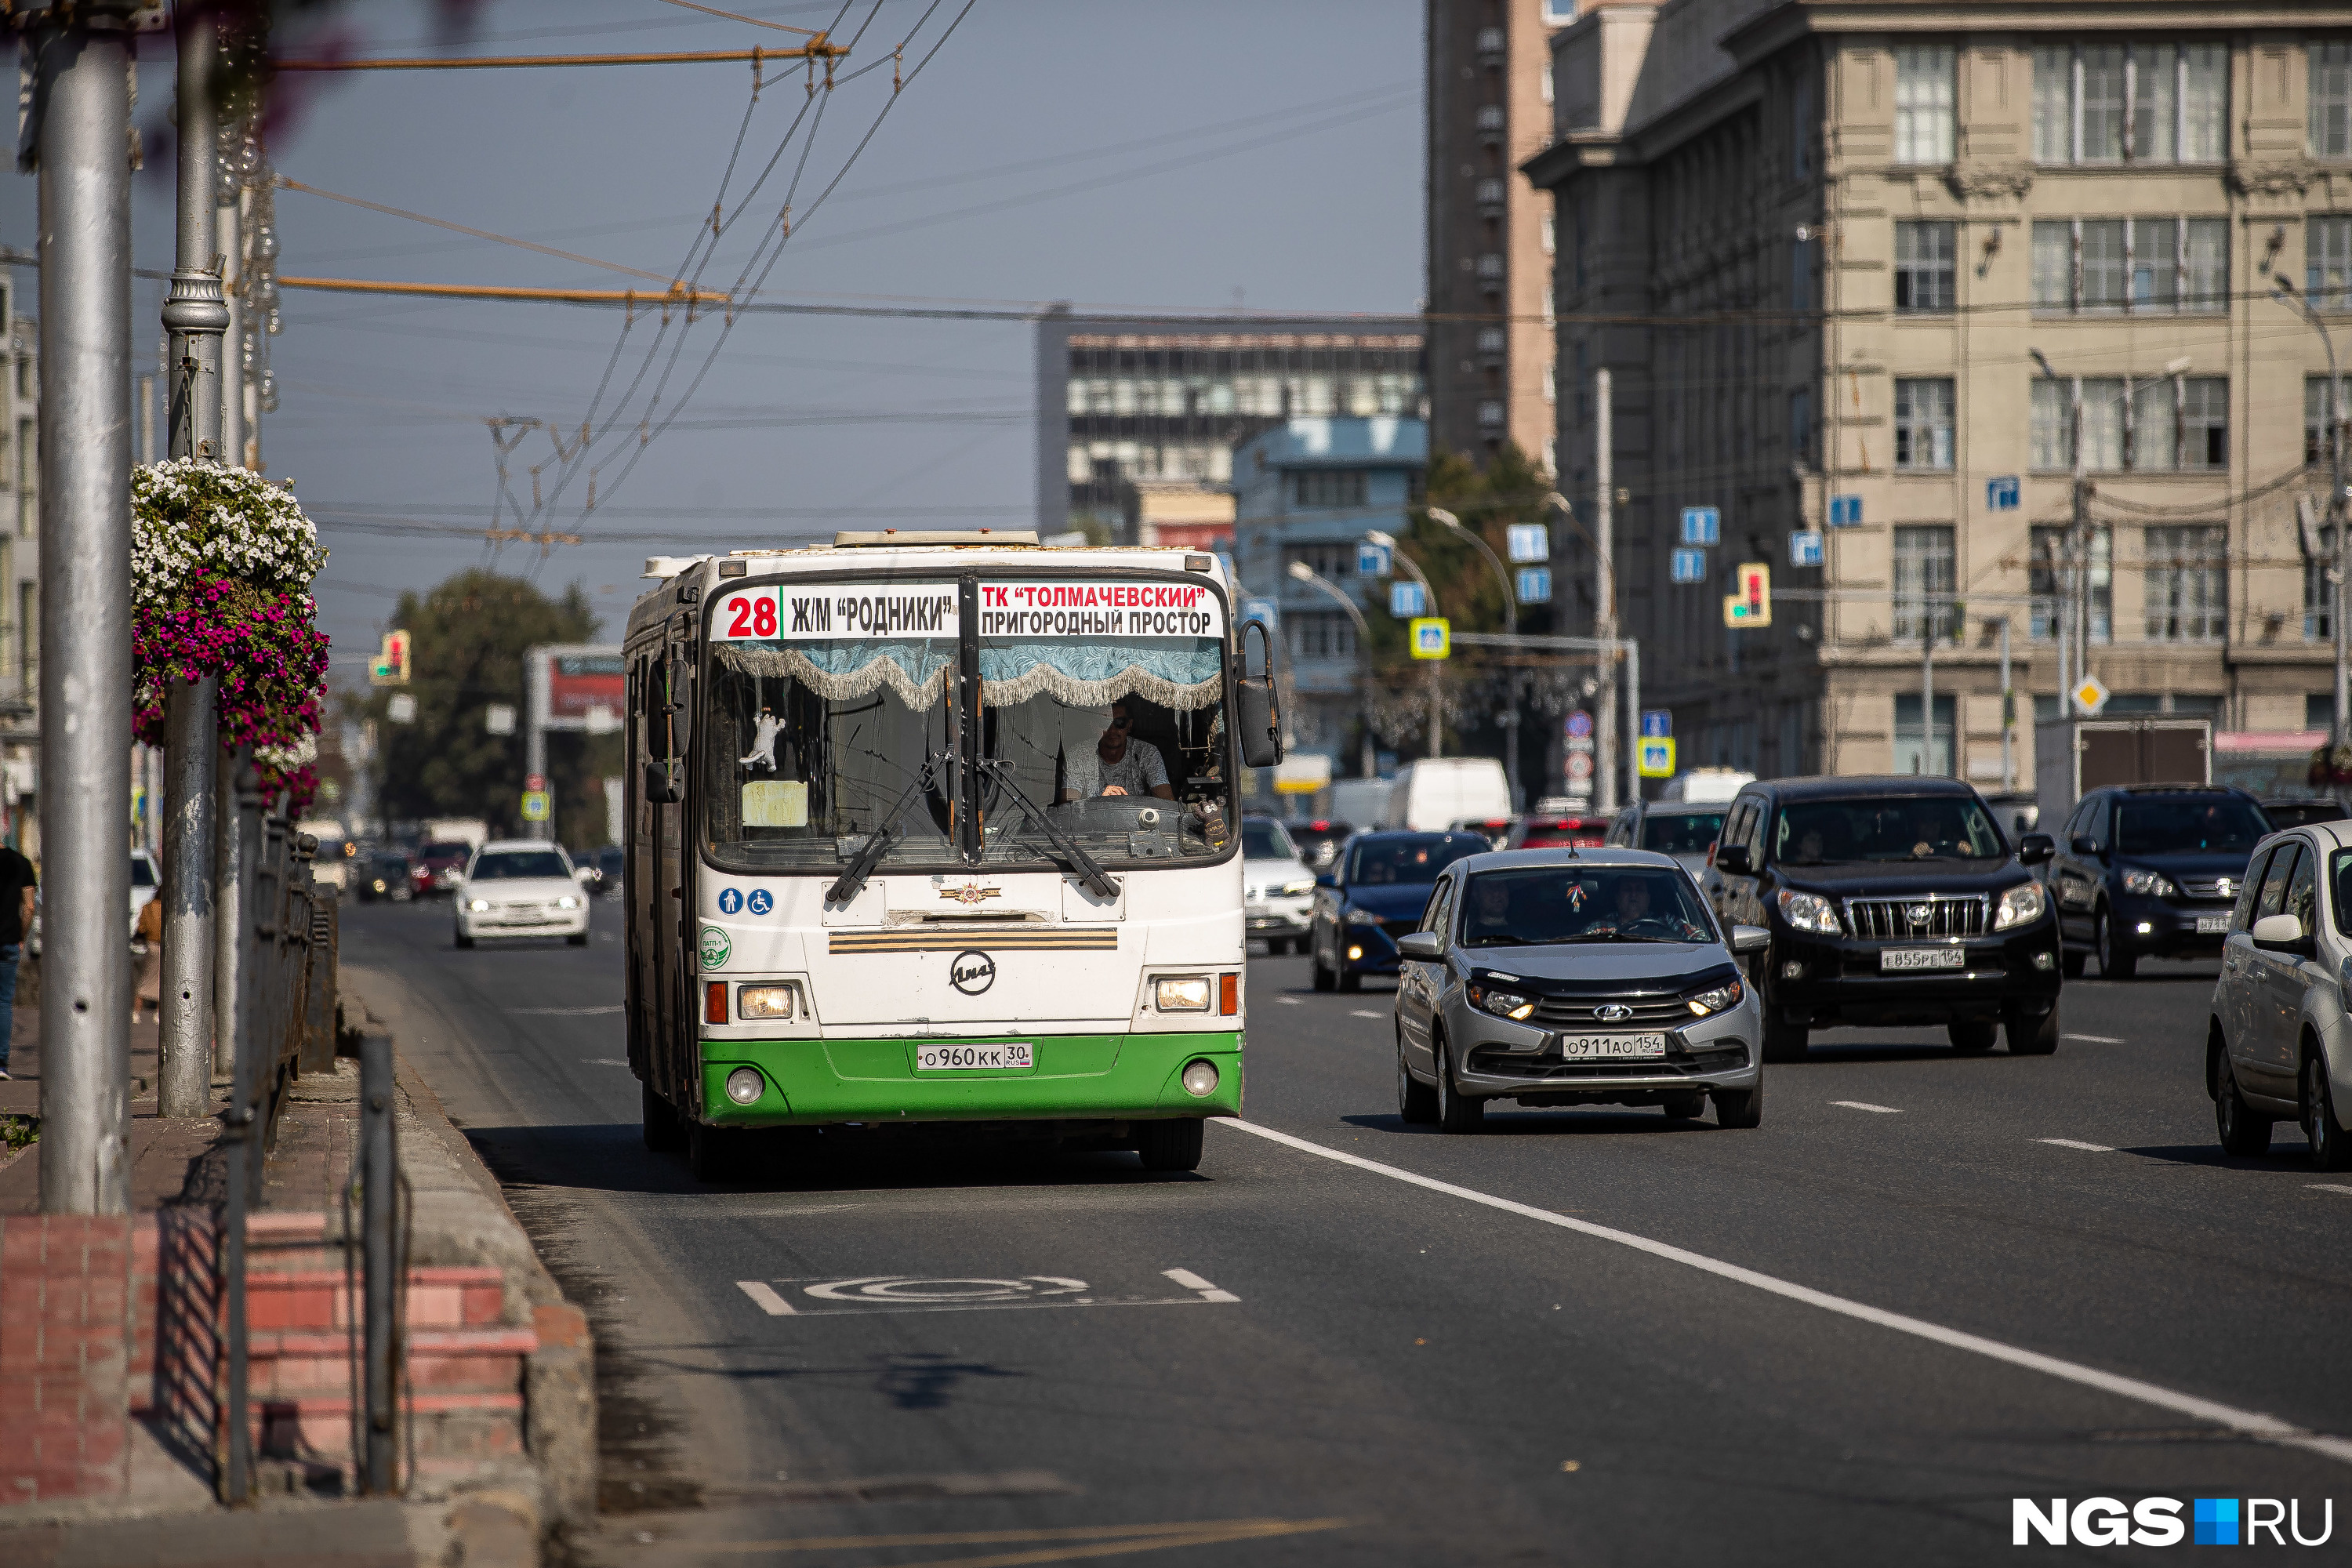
<point>1130,766</point>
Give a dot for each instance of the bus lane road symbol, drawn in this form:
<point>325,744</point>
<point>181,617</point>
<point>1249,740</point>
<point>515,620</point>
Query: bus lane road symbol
<point>897,1291</point>
<point>971,971</point>
<point>868,1294</point>
<point>761,901</point>
<point>716,948</point>
<point>729,901</point>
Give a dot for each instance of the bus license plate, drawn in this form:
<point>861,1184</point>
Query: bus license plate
<point>2213,925</point>
<point>973,1058</point>
<point>1594,1048</point>
<point>1902,957</point>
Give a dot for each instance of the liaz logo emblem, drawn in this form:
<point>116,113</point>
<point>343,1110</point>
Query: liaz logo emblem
<point>716,948</point>
<point>972,893</point>
<point>971,971</point>
<point>1613,1013</point>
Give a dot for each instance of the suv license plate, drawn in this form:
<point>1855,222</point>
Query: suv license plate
<point>973,1058</point>
<point>2213,925</point>
<point>1620,1048</point>
<point>1902,958</point>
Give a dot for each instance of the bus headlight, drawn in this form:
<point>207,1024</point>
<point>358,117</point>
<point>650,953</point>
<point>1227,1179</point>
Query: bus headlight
<point>1181,994</point>
<point>764,1002</point>
<point>745,1085</point>
<point>1200,1078</point>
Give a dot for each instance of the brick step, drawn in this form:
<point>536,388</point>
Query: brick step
<point>303,1363</point>
<point>452,1433</point>
<point>449,1297</point>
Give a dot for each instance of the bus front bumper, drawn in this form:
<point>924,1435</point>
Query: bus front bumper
<point>811,1082</point>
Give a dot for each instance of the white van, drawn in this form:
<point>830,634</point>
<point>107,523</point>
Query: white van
<point>1706,786</point>
<point>1431,796</point>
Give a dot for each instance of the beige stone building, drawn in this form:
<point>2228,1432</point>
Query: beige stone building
<point>1491,236</point>
<point>1820,245</point>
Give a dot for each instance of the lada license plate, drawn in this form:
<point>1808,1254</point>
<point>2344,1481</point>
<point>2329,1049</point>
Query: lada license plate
<point>973,1058</point>
<point>1618,1047</point>
<point>2213,925</point>
<point>1897,959</point>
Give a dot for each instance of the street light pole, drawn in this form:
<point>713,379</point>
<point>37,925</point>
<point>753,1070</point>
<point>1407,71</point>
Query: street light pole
<point>1436,695</point>
<point>1604,591</point>
<point>1368,765</point>
<point>80,116</point>
<point>1511,613</point>
<point>197,317</point>
<point>2340,732</point>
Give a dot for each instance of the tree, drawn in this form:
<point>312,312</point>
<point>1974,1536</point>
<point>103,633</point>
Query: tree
<point>468,638</point>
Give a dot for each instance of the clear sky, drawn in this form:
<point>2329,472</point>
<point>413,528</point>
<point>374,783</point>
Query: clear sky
<point>1106,152</point>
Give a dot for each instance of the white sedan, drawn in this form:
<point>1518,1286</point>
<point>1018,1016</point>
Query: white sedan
<point>520,887</point>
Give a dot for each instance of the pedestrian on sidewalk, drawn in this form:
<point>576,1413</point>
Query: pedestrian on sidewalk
<point>17,883</point>
<point>150,991</point>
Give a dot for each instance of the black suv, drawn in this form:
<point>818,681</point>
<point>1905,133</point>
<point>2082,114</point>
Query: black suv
<point>2151,869</point>
<point>1890,901</point>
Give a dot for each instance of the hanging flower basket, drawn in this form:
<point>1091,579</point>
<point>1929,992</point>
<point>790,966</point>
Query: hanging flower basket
<point>2330,765</point>
<point>221,566</point>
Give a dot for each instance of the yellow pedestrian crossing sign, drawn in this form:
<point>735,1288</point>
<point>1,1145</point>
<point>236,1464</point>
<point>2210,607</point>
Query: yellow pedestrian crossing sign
<point>1433,637</point>
<point>1655,759</point>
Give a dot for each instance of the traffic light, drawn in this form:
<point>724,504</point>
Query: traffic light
<point>390,666</point>
<point>1752,605</point>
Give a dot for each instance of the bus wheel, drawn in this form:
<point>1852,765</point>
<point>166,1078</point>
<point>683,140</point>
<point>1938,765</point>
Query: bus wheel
<point>1170,1145</point>
<point>710,1152</point>
<point>662,1133</point>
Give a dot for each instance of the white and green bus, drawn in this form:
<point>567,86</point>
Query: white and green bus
<point>938,827</point>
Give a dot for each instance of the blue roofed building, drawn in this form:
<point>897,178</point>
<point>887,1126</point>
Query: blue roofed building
<point>1306,492</point>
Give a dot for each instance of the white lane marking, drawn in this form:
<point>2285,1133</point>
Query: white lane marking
<point>2100,1039</point>
<point>2250,1423</point>
<point>1865,1105</point>
<point>1192,1281</point>
<point>2075,1144</point>
<point>775,1306</point>
<point>565,1012</point>
<point>604,1061</point>
<point>1364,1013</point>
<point>2327,1187</point>
<point>1289,1001</point>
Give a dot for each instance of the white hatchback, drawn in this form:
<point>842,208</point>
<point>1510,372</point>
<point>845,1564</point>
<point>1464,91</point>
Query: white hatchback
<point>520,886</point>
<point>2279,1044</point>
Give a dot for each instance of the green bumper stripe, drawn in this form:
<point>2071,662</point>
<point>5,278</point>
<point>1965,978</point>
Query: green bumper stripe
<point>1117,1077</point>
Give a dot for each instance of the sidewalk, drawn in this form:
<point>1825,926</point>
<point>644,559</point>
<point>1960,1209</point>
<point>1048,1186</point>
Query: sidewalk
<point>111,1351</point>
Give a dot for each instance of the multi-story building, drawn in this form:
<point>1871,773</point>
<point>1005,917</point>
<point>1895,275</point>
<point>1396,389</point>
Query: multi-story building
<point>1860,263</point>
<point>1307,492</point>
<point>1490,233</point>
<point>1137,418</point>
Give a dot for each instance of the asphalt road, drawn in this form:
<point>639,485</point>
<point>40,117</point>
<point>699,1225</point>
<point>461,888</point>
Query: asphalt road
<point>1292,1358</point>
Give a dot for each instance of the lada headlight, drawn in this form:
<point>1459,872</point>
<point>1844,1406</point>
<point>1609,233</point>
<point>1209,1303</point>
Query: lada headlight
<point>2149,884</point>
<point>1502,1003</point>
<point>1725,995</point>
<point>1810,913</point>
<point>2023,904</point>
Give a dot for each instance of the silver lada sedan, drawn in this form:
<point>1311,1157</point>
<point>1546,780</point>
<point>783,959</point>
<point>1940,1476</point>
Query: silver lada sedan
<point>1557,977</point>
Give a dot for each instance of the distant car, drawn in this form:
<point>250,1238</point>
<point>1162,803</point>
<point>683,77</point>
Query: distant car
<point>1672,828</point>
<point>2151,871</point>
<point>520,886</point>
<point>439,867</point>
<point>1277,890</point>
<point>1373,896</point>
<point>144,886</point>
<point>1890,901</point>
<point>386,877</point>
<point>612,865</point>
<point>2276,1044</point>
<point>1583,830</point>
<point>1319,840</point>
<point>2301,811</point>
<point>1558,978</point>
<point>1495,830</point>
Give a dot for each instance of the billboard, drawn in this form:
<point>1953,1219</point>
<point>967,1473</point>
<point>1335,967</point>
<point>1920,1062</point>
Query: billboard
<point>579,687</point>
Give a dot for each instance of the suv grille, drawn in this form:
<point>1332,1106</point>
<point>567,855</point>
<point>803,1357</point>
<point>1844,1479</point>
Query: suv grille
<point>1927,916</point>
<point>1576,1012</point>
<point>2212,887</point>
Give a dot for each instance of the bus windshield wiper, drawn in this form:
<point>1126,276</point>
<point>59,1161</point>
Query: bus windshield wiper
<point>1091,875</point>
<point>854,876</point>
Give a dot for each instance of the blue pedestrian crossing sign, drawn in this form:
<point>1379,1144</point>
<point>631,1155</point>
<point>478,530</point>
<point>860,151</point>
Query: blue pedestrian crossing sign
<point>1407,600</point>
<point>1690,566</point>
<point>1655,758</point>
<point>1534,586</point>
<point>2000,494</point>
<point>1372,560</point>
<point>1433,637</point>
<point>1657,723</point>
<point>1804,548</point>
<point>1702,525</point>
<point>1529,541</point>
<point>1845,511</point>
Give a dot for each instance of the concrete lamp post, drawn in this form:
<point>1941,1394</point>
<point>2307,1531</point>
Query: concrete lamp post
<point>2286,293</point>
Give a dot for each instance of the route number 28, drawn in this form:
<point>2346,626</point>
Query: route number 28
<point>751,614</point>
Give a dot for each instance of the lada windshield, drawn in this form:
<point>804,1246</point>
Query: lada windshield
<point>1903,827</point>
<point>2192,825</point>
<point>1539,905</point>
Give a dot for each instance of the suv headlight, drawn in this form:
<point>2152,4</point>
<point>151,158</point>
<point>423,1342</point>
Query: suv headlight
<point>1362,917</point>
<point>1716,1000</point>
<point>1810,912</point>
<point>2023,904</point>
<point>1181,994</point>
<point>1502,1003</point>
<point>477,905</point>
<point>2149,884</point>
<point>1296,886</point>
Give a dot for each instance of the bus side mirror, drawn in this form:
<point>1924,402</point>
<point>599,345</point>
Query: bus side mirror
<point>660,788</point>
<point>1255,710</point>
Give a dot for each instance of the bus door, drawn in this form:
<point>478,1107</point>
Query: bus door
<point>670,896</point>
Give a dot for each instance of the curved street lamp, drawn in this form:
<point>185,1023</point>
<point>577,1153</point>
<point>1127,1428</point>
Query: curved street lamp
<point>1367,764</point>
<point>1436,702</point>
<point>1510,597</point>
